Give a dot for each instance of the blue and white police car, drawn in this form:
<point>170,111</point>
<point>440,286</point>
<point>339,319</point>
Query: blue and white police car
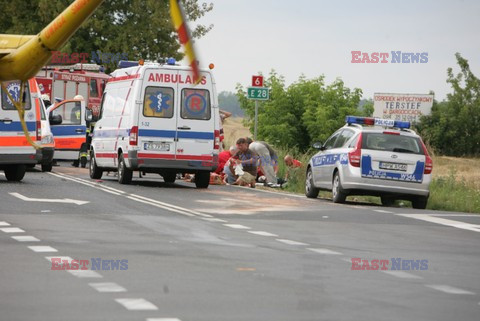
<point>372,156</point>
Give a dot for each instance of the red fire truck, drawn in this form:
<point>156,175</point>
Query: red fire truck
<point>65,82</point>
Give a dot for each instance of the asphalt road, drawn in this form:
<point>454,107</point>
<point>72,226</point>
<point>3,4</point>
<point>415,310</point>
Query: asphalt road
<point>226,253</point>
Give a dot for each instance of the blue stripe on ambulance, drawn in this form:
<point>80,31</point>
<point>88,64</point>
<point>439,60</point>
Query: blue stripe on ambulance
<point>172,133</point>
<point>330,159</point>
<point>368,172</point>
<point>16,126</point>
<point>67,130</point>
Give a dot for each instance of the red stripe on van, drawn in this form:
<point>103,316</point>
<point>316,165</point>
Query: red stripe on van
<point>135,76</point>
<point>165,156</point>
<point>194,157</point>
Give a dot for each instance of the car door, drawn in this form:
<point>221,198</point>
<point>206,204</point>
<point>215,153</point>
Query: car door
<point>70,134</point>
<point>320,161</point>
<point>156,120</point>
<point>196,122</point>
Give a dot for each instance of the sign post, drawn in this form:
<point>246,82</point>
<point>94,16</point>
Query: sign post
<point>257,92</point>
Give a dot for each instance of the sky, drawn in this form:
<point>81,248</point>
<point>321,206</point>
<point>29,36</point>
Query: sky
<point>316,37</point>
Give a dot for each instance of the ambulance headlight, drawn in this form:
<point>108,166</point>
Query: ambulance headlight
<point>47,139</point>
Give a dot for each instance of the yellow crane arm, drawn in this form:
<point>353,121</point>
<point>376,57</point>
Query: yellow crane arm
<point>21,57</point>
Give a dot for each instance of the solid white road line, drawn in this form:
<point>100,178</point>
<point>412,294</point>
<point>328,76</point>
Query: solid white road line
<point>107,287</point>
<point>213,219</point>
<point>157,205</point>
<point>91,184</point>
<point>262,233</point>
<point>84,273</point>
<point>42,249</point>
<point>325,251</point>
<point>402,274</point>
<point>48,200</point>
<point>12,230</point>
<point>383,211</point>
<point>443,221</point>
<point>237,226</point>
<point>163,319</point>
<point>25,238</point>
<point>449,289</point>
<point>290,242</point>
<point>4,224</point>
<point>137,304</point>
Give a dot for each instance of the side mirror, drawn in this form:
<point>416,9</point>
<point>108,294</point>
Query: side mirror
<point>55,119</point>
<point>318,145</point>
<point>88,115</point>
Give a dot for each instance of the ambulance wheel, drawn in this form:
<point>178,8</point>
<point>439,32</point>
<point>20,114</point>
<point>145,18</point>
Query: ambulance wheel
<point>202,179</point>
<point>420,202</point>
<point>124,173</point>
<point>47,167</point>
<point>310,190</point>
<point>15,173</point>
<point>169,177</point>
<point>83,162</point>
<point>338,193</point>
<point>95,171</point>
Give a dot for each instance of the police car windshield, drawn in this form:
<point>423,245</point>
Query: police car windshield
<point>392,143</point>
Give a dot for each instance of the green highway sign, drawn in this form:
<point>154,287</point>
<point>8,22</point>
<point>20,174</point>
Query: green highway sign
<point>258,93</point>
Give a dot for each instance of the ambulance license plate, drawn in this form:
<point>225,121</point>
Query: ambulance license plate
<point>393,166</point>
<point>156,146</point>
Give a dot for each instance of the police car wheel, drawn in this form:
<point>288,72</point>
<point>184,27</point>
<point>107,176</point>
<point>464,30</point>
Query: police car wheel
<point>124,174</point>
<point>420,202</point>
<point>202,179</point>
<point>47,167</point>
<point>95,171</point>
<point>310,190</point>
<point>15,173</point>
<point>338,194</point>
<point>169,177</point>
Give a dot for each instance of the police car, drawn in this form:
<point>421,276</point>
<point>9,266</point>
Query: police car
<point>372,156</point>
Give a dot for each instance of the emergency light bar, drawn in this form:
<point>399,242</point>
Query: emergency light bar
<point>377,122</point>
<point>127,64</point>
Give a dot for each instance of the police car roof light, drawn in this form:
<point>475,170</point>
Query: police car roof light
<point>377,121</point>
<point>127,64</point>
<point>171,61</point>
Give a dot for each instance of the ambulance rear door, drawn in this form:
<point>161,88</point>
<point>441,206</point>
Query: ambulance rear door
<point>195,119</point>
<point>156,115</point>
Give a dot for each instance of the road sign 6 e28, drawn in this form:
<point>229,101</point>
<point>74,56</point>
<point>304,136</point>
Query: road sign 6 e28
<point>257,81</point>
<point>258,93</point>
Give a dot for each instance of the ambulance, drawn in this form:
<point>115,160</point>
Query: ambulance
<point>155,119</point>
<point>15,151</point>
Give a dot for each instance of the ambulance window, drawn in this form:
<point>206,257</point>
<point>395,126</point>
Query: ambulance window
<point>195,104</point>
<point>13,88</point>
<point>70,112</point>
<point>93,88</point>
<point>42,110</point>
<point>158,102</point>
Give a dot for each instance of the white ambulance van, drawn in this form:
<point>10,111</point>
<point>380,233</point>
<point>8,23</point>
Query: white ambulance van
<point>15,151</point>
<point>154,119</point>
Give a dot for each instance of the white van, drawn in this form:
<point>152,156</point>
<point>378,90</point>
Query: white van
<point>154,119</point>
<point>15,151</point>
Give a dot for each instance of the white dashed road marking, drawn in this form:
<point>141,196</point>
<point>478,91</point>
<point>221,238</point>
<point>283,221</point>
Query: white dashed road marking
<point>137,304</point>
<point>25,238</point>
<point>107,287</point>
<point>402,274</point>
<point>237,226</point>
<point>263,233</point>
<point>444,221</point>
<point>12,230</point>
<point>4,224</point>
<point>84,273</point>
<point>383,211</point>
<point>325,251</point>
<point>163,319</point>
<point>449,289</point>
<point>290,242</point>
<point>214,219</point>
<point>42,249</point>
